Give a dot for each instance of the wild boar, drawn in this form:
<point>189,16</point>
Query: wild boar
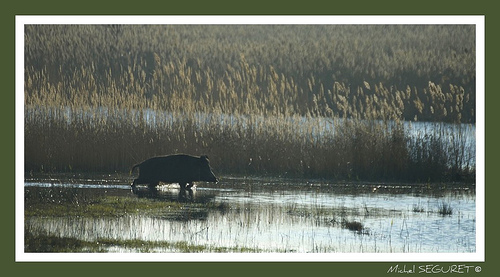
<point>180,168</point>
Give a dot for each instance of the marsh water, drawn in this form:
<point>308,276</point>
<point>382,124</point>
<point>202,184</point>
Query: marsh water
<point>267,215</point>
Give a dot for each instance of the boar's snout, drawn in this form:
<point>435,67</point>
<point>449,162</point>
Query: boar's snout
<point>212,178</point>
<point>206,171</point>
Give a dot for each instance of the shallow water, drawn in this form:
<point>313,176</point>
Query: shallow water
<point>281,216</point>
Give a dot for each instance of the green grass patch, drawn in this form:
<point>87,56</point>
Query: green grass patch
<point>59,202</point>
<point>43,243</point>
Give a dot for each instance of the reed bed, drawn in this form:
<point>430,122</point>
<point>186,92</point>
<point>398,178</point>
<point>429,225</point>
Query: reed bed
<point>307,147</point>
<point>99,98</point>
<point>421,72</point>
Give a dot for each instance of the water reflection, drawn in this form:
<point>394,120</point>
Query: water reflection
<point>300,220</point>
<point>173,193</point>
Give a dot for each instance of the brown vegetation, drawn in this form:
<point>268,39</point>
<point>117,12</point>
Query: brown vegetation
<point>309,101</point>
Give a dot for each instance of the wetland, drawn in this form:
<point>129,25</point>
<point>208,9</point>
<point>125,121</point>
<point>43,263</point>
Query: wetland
<point>241,215</point>
<point>325,139</point>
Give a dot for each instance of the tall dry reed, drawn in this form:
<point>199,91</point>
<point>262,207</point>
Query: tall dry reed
<point>306,101</point>
<point>360,72</point>
<point>306,147</point>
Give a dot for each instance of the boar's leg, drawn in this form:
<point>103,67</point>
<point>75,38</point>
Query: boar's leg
<point>189,185</point>
<point>153,185</point>
<point>183,185</point>
<point>137,182</point>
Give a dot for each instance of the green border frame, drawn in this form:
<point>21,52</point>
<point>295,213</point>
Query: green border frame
<point>225,7</point>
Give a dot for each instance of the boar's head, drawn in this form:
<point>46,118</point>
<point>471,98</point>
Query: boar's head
<point>206,173</point>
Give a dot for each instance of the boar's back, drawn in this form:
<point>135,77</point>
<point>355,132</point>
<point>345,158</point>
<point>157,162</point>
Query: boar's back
<point>172,168</point>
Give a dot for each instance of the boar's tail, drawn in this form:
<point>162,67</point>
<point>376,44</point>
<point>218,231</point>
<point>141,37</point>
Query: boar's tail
<point>132,169</point>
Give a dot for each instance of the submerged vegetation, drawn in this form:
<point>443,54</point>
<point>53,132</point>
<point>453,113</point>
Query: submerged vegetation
<point>445,209</point>
<point>63,202</point>
<point>43,243</point>
<point>296,101</point>
<point>249,216</point>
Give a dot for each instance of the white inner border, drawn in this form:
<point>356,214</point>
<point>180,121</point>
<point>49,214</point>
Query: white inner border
<point>478,256</point>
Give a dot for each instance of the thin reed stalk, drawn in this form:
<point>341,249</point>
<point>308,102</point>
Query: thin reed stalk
<point>110,140</point>
<point>99,98</point>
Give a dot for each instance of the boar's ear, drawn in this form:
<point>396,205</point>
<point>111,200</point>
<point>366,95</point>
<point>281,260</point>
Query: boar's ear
<point>204,157</point>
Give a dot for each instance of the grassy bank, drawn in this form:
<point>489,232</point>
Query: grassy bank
<point>42,243</point>
<point>63,202</point>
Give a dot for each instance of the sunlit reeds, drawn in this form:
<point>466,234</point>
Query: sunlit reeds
<point>109,140</point>
<point>321,105</point>
<point>363,72</point>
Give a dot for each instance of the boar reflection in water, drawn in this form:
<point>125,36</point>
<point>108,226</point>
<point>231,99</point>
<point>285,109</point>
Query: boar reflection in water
<point>180,168</point>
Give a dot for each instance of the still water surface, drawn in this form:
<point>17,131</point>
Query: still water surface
<point>280,216</point>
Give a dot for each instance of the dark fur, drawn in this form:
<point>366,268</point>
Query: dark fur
<point>180,168</point>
